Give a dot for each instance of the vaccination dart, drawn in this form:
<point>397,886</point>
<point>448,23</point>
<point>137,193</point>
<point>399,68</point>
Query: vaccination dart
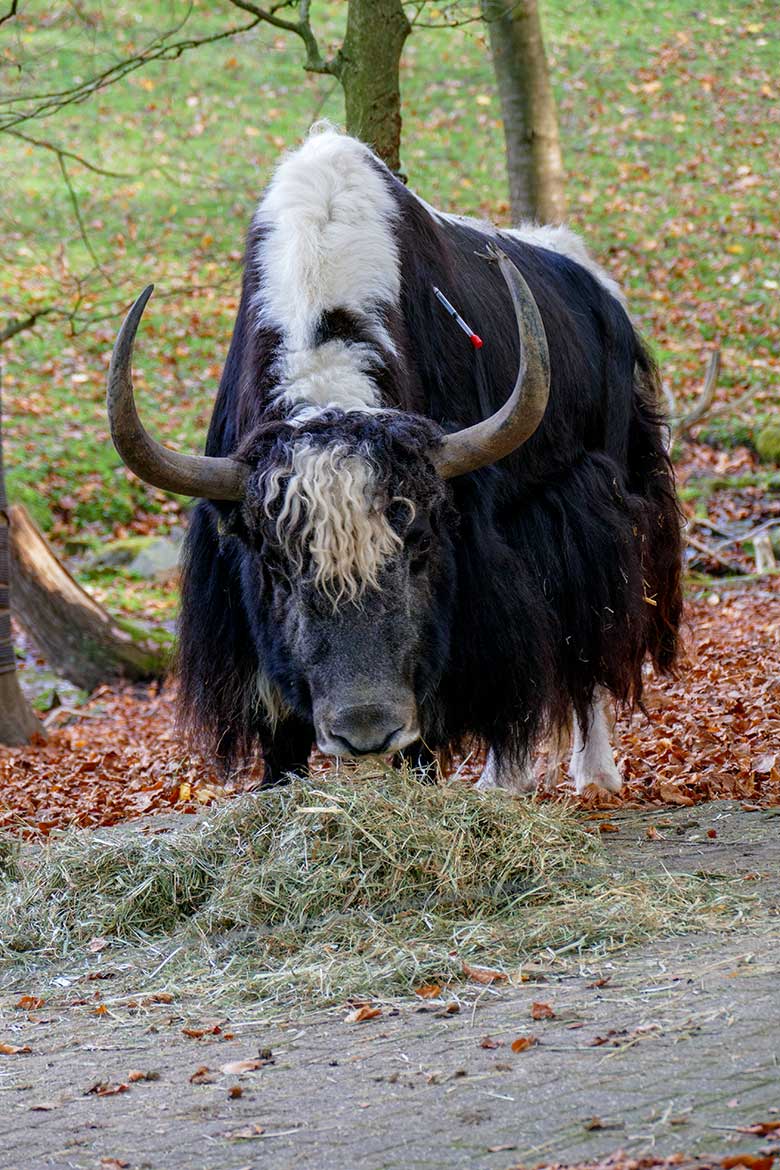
<point>473,337</point>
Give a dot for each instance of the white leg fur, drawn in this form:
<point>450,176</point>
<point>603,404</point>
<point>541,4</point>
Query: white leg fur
<point>512,779</point>
<point>592,760</point>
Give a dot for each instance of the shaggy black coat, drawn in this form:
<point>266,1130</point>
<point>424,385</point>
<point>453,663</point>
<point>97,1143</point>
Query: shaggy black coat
<point>566,555</point>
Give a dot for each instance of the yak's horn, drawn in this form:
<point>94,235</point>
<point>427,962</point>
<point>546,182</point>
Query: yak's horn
<point>518,418</point>
<point>190,475</point>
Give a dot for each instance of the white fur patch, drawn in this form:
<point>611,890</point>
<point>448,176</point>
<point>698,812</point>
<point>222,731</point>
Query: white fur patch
<point>271,701</point>
<point>520,780</point>
<point>330,510</point>
<point>561,239</point>
<point>328,241</point>
<point>554,237</point>
<point>592,759</point>
<point>333,374</point>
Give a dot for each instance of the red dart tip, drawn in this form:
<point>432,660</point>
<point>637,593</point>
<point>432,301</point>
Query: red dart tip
<point>476,341</point>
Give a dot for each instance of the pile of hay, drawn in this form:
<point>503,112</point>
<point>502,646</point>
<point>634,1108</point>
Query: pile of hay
<point>365,884</point>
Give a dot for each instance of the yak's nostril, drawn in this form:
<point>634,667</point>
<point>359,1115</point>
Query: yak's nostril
<point>366,749</point>
<point>367,730</point>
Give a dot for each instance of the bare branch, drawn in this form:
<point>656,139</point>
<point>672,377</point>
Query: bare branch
<point>750,535</point>
<point>21,324</point>
<point>704,401</point>
<point>11,13</point>
<point>77,212</point>
<point>62,153</point>
<point>679,425</point>
<point>449,17</point>
<point>158,50</point>
<point>712,555</point>
<point>315,62</point>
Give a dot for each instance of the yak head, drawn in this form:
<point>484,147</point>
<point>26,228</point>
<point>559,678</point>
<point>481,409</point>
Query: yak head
<point>350,537</point>
<point>348,528</point>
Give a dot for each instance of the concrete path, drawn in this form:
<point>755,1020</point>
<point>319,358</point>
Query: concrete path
<point>670,1047</point>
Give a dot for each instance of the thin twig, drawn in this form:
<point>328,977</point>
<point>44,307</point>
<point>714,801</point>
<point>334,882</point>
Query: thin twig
<point>711,555</point>
<point>61,152</point>
<point>21,324</point>
<point>157,50</point>
<point>11,13</point>
<point>315,62</point>
<point>77,212</point>
<point>700,408</point>
<point>744,537</point>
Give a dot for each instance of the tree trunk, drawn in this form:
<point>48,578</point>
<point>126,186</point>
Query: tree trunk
<point>533,151</point>
<point>75,634</point>
<point>369,64</point>
<point>18,724</point>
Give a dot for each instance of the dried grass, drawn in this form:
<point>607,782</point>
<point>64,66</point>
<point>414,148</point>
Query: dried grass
<point>353,885</point>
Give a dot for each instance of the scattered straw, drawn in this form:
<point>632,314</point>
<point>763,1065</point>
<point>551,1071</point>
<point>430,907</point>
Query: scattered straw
<point>365,884</point>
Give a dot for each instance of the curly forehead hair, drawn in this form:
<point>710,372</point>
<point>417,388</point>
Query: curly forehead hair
<point>337,489</point>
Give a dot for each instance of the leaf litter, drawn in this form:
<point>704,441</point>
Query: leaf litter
<point>712,733</point>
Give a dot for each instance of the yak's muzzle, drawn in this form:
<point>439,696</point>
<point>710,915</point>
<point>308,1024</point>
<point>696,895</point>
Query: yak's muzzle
<point>367,729</point>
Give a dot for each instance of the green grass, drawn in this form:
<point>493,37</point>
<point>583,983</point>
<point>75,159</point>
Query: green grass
<point>670,143</point>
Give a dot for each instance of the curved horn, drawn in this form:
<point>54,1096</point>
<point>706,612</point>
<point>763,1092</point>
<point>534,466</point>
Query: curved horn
<point>518,418</point>
<point>190,475</point>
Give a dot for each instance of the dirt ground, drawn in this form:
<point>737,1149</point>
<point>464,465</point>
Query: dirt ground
<point>670,1047</point>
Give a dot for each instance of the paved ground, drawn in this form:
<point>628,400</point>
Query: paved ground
<point>675,1052</point>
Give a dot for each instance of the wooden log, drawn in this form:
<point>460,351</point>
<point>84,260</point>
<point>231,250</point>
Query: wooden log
<point>76,635</point>
<point>18,723</point>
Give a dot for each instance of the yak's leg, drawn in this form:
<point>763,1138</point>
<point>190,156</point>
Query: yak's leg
<point>558,745</point>
<point>592,758</point>
<point>512,778</point>
<point>287,751</point>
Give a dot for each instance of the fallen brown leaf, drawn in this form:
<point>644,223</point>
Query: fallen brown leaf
<point>30,1003</point>
<point>749,1162</point>
<point>542,1011</point>
<point>428,991</point>
<point>362,1013</point>
<point>106,1089</point>
<point>14,1049</point>
<point>483,974</point>
<point>523,1043</point>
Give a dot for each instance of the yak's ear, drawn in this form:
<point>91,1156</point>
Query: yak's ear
<point>230,522</point>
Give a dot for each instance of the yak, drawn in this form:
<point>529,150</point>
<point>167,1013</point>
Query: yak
<point>411,539</point>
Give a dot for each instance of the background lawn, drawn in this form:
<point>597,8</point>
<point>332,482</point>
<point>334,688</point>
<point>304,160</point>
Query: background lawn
<point>670,119</point>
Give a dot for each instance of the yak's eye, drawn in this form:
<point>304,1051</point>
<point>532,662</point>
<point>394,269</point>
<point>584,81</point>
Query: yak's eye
<point>418,542</point>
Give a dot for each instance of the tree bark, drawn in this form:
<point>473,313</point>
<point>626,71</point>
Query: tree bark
<point>18,724</point>
<point>75,634</point>
<point>368,68</point>
<point>533,152</point>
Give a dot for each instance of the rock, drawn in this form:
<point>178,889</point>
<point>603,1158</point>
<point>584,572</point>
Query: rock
<point>118,553</point>
<point>768,443</point>
<point>159,560</point>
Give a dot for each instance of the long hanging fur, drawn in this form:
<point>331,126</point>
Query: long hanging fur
<point>567,553</point>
